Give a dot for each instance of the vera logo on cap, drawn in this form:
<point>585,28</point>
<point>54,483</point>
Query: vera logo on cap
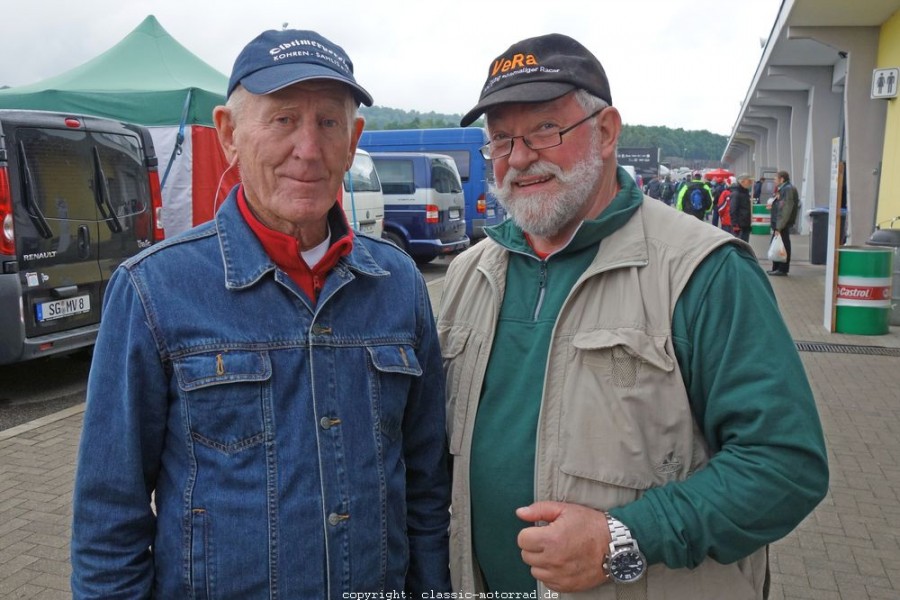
<point>502,65</point>
<point>519,64</point>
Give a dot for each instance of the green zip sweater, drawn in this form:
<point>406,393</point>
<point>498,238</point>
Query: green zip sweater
<point>728,293</point>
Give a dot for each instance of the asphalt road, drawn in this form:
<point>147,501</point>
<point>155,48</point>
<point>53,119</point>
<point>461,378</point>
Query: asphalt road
<point>40,387</point>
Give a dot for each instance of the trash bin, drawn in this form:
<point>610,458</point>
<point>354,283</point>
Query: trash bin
<point>818,238</point>
<point>890,238</point>
<point>864,290</point>
<point>760,218</point>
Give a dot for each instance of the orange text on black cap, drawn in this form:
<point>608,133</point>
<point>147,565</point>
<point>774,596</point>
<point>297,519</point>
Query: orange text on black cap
<point>502,65</point>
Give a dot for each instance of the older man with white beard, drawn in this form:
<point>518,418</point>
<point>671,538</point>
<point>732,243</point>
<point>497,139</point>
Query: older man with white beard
<point>620,426</point>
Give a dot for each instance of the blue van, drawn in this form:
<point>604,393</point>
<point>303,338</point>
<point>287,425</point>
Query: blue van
<point>424,207</point>
<point>462,144</point>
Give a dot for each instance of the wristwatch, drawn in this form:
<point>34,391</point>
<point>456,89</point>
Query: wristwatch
<point>625,562</point>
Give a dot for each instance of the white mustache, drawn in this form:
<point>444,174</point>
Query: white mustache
<point>537,169</point>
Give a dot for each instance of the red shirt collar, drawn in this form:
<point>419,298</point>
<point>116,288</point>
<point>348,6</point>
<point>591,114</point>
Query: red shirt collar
<point>285,249</point>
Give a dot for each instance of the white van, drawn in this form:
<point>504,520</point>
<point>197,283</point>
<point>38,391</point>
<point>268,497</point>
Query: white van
<point>361,196</point>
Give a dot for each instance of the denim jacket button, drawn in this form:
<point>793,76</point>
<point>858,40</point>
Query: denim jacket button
<point>334,518</point>
<point>328,422</point>
<point>319,329</point>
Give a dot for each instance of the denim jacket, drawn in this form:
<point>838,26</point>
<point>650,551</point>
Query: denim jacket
<point>290,449</point>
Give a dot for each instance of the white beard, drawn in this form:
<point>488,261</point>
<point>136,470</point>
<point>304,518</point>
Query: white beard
<point>544,214</point>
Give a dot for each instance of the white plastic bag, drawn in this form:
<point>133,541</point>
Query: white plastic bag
<point>777,252</point>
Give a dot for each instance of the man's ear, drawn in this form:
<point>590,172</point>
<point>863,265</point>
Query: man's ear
<point>224,122</point>
<point>610,129</point>
<point>355,133</point>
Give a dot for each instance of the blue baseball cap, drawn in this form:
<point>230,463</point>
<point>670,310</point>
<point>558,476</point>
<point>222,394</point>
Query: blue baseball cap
<point>276,59</point>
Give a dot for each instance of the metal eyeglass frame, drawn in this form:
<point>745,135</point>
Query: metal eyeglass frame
<point>486,149</point>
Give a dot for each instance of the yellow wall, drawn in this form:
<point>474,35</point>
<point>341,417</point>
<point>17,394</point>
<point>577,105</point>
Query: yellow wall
<point>889,190</point>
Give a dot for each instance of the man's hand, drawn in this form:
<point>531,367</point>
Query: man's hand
<point>566,554</point>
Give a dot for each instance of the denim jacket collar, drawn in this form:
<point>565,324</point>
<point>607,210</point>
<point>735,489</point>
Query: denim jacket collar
<point>246,261</point>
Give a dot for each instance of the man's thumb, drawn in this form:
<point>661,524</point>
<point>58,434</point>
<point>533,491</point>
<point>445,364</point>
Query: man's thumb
<point>545,511</point>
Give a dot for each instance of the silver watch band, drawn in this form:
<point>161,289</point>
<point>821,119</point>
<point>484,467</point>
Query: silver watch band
<point>620,535</point>
<point>618,532</point>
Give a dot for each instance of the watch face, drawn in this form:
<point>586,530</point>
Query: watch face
<point>627,565</point>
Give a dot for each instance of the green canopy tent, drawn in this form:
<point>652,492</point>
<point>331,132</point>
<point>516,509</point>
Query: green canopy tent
<point>150,79</point>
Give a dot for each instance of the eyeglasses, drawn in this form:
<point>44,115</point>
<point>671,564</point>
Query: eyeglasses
<point>539,140</point>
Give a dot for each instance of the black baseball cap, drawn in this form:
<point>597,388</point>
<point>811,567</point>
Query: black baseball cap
<point>276,59</point>
<point>540,69</point>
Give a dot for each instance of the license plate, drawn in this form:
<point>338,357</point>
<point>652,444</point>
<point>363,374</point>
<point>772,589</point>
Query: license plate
<point>454,213</point>
<point>491,212</point>
<point>367,227</point>
<point>58,309</point>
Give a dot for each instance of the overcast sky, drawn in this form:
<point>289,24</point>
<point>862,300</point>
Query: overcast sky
<point>678,63</point>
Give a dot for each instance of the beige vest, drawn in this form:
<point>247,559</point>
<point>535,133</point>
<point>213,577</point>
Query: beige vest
<point>615,418</point>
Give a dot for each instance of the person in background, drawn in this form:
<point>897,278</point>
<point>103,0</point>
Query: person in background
<point>723,208</point>
<point>654,188</point>
<point>757,190</point>
<point>741,208</point>
<point>682,183</point>
<point>695,198</point>
<point>717,186</point>
<point>265,410</point>
<point>616,416</point>
<point>784,216</point>
<point>667,191</point>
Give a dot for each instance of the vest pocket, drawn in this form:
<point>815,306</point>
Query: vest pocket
<point>223,393</point>
<point>460,357</point>
<point>625,423</point>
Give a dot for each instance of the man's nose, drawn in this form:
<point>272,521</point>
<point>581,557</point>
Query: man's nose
<point>307,141</point>
<point>521,155</point>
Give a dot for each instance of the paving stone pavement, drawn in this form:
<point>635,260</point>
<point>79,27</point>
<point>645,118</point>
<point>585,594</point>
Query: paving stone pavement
<point>848,549</point>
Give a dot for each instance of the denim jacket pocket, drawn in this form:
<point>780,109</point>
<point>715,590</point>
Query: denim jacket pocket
<point>395,366</point>
<point>624,425</point>
<point>224,394</point>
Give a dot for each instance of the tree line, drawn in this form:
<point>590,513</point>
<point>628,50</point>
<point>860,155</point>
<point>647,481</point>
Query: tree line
<point>674,144</point>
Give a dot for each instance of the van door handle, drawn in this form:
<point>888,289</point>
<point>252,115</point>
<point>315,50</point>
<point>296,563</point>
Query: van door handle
<point>84,241</point>
<point>64,292</point>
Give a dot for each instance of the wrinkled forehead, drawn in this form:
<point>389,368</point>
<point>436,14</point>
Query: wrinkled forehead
<point>511,112</point>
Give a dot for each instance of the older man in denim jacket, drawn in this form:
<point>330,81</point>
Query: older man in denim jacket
<point>265,409</point>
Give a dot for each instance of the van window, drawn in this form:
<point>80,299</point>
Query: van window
<point>60,166</point>
<point>124,171</point>
<point>443,178</point>
<point>56,169</point>
<point>363,174</point>
<point>461,158</point>
<point>396,176</point>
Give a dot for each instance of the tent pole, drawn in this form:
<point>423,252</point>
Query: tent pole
<point>179,140</point>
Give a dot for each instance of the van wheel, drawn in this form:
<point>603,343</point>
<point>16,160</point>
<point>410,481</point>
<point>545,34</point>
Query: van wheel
<point>393,237</point>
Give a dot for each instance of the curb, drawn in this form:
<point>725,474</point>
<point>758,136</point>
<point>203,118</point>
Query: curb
<point>57,416</point>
